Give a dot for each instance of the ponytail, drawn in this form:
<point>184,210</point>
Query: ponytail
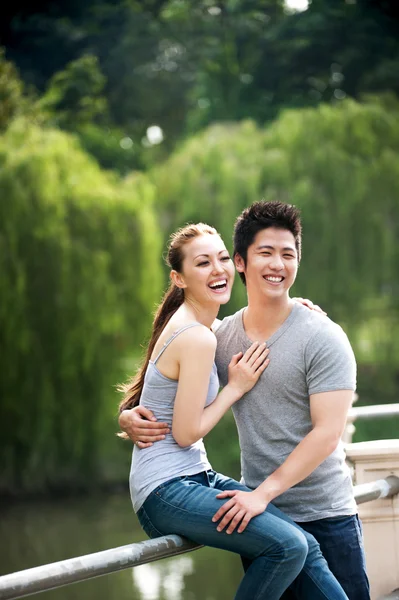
<point>131,390</point>
<point>172,300</point>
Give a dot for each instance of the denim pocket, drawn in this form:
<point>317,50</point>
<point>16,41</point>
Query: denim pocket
<point>161,487</point>
<point>147,525</point>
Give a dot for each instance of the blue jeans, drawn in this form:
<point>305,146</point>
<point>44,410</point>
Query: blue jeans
<point>341,542</point>
<point>278,549</point>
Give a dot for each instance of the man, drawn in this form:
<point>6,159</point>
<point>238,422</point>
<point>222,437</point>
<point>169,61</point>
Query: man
<point>290,424</point>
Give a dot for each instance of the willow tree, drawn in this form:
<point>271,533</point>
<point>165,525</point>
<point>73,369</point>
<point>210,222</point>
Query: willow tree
<point>340,165</point>
<point>79,275</point>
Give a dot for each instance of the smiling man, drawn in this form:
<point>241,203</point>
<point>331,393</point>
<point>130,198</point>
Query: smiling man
<point>290,424</point>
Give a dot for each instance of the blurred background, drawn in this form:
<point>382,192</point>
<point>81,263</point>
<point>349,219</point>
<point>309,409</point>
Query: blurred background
<point>121,120</point>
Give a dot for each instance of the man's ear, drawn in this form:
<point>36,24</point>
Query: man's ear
<point>177,279</point>
<point>239,263</point>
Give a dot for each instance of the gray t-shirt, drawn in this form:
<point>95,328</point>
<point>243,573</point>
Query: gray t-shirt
<point>309,354</point>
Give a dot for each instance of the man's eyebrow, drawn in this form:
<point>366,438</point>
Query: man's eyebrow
<point>265,246</point>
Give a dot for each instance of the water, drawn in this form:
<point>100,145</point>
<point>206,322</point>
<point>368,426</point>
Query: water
<point>37,533</point>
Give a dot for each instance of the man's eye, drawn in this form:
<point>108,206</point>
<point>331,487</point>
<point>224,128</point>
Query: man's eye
<point>288,256</point>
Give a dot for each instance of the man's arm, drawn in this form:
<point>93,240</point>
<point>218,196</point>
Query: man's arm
<point>328,413</point>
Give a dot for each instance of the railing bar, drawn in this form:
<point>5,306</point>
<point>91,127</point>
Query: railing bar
<point>382,488</point>
<point>73,570</point>
<point>370,412</point>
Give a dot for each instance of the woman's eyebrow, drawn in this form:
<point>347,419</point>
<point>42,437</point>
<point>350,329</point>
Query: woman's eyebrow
<point>207,255</point>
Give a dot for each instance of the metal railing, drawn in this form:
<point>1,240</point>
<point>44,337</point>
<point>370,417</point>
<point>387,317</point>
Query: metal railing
<point>367,412</point>
<point>73,570</point>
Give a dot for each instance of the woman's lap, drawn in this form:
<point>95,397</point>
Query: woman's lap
<point>186,506</point>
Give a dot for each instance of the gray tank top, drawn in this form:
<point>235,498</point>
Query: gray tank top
<point>165,459</point>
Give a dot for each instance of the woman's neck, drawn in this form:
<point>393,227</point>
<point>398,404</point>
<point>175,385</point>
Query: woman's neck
<point>200,313</point>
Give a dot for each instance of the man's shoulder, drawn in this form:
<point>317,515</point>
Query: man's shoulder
<point>315,324</point>
<point>228,325</point>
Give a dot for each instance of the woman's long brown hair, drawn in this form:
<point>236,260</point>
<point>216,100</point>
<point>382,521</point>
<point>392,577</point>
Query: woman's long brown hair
<point>171,301</point>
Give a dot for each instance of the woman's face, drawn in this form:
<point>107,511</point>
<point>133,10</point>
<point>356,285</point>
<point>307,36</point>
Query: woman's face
<point>208,271</point>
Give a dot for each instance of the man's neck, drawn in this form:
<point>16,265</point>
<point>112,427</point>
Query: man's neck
<point>263,319</point>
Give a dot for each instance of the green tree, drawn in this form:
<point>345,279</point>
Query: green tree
<point>79,275</point>
<point>340,165</point>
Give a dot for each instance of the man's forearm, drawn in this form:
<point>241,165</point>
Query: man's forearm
<point>307,456</point>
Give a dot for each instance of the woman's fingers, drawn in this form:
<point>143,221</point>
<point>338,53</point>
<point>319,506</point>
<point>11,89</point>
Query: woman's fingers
<point>261,359</point>
<point>250,351</point>
<point>257,354</point>
<point>235,359</point>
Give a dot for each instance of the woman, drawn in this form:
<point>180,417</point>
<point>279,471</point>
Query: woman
<point>173,487</point>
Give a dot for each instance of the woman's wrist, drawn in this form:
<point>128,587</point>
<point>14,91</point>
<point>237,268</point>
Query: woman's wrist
<point>235,393</point>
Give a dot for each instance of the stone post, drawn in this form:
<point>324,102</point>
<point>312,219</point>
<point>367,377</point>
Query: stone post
<point>372,461</point>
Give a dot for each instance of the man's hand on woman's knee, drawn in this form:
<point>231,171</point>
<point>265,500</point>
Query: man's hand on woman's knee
<point>142,427</point>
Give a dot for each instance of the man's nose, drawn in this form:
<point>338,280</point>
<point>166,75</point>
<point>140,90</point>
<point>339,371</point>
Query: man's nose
<point>276,263</point>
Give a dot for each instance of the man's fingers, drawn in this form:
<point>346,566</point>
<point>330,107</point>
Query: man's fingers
<point>227,518</point>
<point>244,523</point>
<point>141,445</point>
<point>152,427</point>
<point>222,510</point>
<point>145,412</point>
<point>235,521</point>
<point>150,438</point>
<point>227,494</point>
<point>152,431</point>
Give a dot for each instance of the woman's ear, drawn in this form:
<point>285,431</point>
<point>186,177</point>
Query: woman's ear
<point>177,279</point>
<point>239,263</point>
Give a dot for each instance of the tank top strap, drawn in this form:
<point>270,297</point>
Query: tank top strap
<point>170,340</point>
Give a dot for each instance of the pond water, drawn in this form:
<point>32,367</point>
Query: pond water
<point>37,533</point>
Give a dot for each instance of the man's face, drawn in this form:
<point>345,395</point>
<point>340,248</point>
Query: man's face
<point>272,264</point>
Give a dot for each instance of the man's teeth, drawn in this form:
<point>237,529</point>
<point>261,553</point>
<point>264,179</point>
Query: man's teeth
<point>274,279</point>
<point>218,284</point>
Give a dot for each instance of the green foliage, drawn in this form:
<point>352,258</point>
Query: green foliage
<point>182,64</point>
<point>340,165</point>
<point>75,95</point>
<point>79,265</point>
<point>15,100</point>
<point>111,147</point>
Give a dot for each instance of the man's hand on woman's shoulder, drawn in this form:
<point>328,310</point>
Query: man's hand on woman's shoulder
<point>142,427</point>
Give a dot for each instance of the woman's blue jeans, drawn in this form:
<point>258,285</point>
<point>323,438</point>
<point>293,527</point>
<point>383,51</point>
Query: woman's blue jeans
<point>278,548</point>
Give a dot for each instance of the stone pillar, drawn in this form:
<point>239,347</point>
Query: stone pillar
<point>376,460</point>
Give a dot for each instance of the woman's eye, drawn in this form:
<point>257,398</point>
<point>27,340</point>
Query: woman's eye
<point>202,264</point>
<point>225,258</point>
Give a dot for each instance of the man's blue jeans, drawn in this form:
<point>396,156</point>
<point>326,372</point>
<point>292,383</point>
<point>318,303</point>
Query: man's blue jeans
<point>278,549</point>
<point>341,542</point>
